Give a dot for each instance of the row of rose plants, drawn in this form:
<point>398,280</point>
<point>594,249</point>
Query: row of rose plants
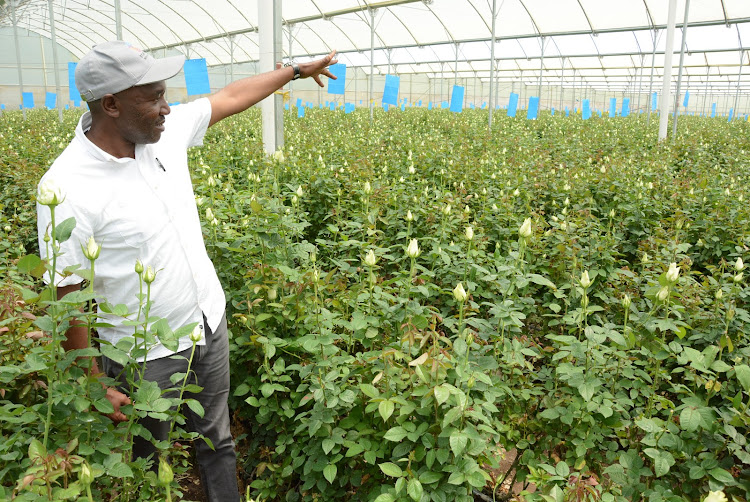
<point>411,298</point>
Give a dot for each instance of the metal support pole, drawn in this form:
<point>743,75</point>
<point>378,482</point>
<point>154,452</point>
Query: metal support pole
<point>231,58</point>
<point>455,68</point>
<point>58,99</point>
<point>562,79</point>
<point>18,52</point>
<point>679,72</point>
<point>640,82</point>
<point>272,108</point>
<point>372,58</point>
<point>705,96</point>
<point>541,69</point>
<point>289,53</point>
<point>118,20</point>
<point>651,80</point>
<point>492,64</point>
<point>667,81</point>
<point>739,78</point>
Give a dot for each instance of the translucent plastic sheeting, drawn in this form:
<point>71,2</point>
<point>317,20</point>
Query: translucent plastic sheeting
<point>417,36</point>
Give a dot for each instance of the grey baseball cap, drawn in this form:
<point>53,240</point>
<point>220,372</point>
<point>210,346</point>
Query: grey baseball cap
<point>114,66</point>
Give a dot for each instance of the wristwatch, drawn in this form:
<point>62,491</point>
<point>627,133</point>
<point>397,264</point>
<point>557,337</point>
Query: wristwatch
<point>295,67</point>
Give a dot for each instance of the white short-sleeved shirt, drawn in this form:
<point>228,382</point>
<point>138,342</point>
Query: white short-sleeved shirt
<point>139,209</point>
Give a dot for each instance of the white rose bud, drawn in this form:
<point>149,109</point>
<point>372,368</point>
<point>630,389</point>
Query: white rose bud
<point>447,209</point>
<point>209,214</point>
<point>272,294</point>
<point>411,169</point>
<point>165,475</point>
<point>719,294</point>
<point>459,293</point>
<point>138,267</point>
<point>299,191</point>
<point>626,301</point>
<point>149,275</point>
<point>525,230</point>
<point>738,277</point>
<point>644,258</point>
<point>673,273</point>
<point>370,258</point>
<point>211,181</point>
<point>715,497</point>
<point>92,249</point>
<point>739,265</point>
<point>49,194</point>
<point>412,251</point>
<point>469,233</point>
<point>367,188</point>
<point>585,280</point>
<point>196,334</point>
<point>278,156</point>
<point>86,476</point>
<point>663,294</point>
<point>409,216</point>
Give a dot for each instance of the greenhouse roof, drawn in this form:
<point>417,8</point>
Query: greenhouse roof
<point>602,43</point>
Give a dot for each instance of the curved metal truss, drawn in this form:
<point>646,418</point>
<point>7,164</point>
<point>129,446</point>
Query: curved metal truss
<point>597,43</point>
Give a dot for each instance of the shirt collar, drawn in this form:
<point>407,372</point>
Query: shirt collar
<point>84,124</point>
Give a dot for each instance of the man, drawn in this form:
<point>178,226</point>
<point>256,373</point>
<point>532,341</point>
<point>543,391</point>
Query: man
<point>126,182</point>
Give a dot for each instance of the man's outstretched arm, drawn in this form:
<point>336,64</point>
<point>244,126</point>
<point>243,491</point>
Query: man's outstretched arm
<point>242,94</point>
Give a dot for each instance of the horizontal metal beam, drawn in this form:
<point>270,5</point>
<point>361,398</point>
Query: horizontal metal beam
<point>287,22</point>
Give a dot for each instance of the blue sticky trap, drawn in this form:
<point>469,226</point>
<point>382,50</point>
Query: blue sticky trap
<point>390,91</point>
<point>429,105</point>
<point>76,103</point>
<point>687,99</point>
<point>299,102</point>
<point>653,101</point>
<point>27,100</point>
<point>385,106</point>
<point>484,105</point>
<point>348,107</point>
<point>599,112</point>
<point>731,114</point>
<point>2,106</point>
<point>567,112</point>
<point>360,101</point>
<point>586,109</point>
<point>533,111</point>
<point>300,111</point>
<point>403,106</point>
<point>321,106</point>
<point>50,100</point>
<point>445,104</point>
<point>575,110</point>
<point>612,107</point>
<point>471,105</point>
<point>337,86</point>
<point>286,106</point>
<point>196,77</point>
<point>625,111</point>
<point>512,104</point>
<point>332,105</point>
<point>713,110</point>
<point>67,107</point>
<point>457,99</point>
<point>328,103</point>
<point>73,93</point>
<point>420,103</point>
<point>553,111</point>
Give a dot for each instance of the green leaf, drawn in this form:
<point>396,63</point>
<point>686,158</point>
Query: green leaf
<point>430,477</point>
<point>385,497</point>
<point>385,408</point>
<point>36,450</point>
<point>742,371</point>
<point>458,441</point>
<point>369,390</point>
<point>32,265</point>
<point>328,445</point>
<point>722,476</point>
<point>414,489</point>
<point>690,418</point>
<point>451,416</point>
<point>65,229</point>
<point>330,472</point>
<point>196,407</point>
<point>395,434</point>
<point>391,469</point>
<point>562,469</point>
<point>442,394</point>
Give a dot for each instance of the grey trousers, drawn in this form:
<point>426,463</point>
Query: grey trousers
<point>210,370</point>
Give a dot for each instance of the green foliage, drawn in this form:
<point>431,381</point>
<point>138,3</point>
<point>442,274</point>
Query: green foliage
<point>355,381</point>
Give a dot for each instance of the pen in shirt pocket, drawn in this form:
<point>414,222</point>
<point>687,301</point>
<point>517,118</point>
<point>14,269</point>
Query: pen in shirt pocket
<point>160,164</point>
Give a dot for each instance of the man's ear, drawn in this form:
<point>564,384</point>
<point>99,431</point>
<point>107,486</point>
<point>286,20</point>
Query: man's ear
<point>110,105</point>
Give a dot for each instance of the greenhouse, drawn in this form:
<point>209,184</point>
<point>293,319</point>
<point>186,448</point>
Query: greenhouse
<point>387,250</point>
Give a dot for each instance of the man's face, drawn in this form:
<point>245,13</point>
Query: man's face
<point>142,111</point>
